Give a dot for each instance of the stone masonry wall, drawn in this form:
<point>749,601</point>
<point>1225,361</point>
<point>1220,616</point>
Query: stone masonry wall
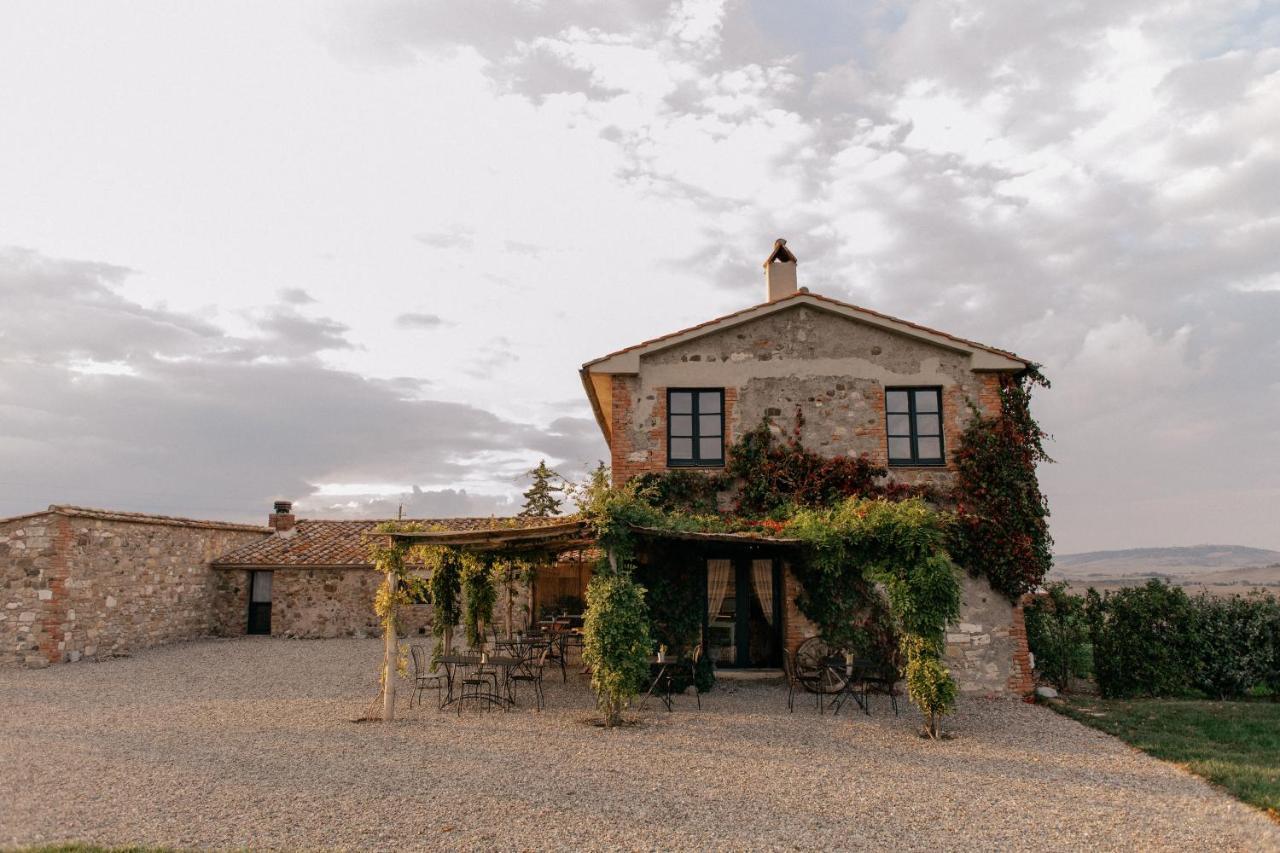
<point>96,585</point>
<point>330,602</point>
<point>835,371</point>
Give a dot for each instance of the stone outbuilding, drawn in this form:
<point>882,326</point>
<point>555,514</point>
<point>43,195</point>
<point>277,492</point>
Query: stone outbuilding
<point>81,582</point>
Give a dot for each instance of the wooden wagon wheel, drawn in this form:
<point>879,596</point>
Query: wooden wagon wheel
<point>812,669</point>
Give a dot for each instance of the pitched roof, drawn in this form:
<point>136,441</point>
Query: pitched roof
<point>818,301</point>
<point>341,544</point>
<point>627,359</point>
<point>137,518</point>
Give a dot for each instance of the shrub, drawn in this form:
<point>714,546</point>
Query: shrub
<point>1237,649</point>
<point>616,641</point>
<point>929,683</point>
<point>1143,640</point>
<point>1155,640</point>
<point>1058,635</point>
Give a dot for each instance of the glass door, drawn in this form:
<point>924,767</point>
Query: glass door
<point>743,616</point>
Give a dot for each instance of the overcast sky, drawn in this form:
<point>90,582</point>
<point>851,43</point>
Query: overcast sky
<point>353,254</point>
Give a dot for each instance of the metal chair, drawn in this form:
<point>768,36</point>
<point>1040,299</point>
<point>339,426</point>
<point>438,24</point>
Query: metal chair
<point>423,678</point>
<point>530,671</point>
<point>479,682</point>
<point>796,682</point>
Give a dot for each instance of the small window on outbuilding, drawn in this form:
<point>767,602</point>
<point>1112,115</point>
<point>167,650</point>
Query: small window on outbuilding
<point>913,421</point>
<point>695,427</point>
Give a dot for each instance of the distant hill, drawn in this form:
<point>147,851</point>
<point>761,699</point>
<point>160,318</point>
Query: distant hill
<point>1221,568</point>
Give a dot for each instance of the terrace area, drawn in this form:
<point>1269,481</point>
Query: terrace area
<point>249,743</point>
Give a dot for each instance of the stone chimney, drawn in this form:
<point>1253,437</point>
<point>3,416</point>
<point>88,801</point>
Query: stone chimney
<point>281,518</point>
<point>780,272</point>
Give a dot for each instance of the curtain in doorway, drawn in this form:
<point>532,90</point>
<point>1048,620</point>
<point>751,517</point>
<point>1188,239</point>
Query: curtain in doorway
<point>718,573</point>
<point>762,581</point>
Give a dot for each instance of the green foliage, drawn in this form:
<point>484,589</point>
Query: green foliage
<point>849,547</point>
<point>1001,528</point>
<point>675,597</point>
<point>479,595</point>
<point>677,490</point>
<point>1058,635</point>
<point>1143,643</point>
<point>771,474</point>
<point>929,684</point>
<point>540,499</point>
<point>1155,640</point>
<point>616,641</point>
<point>444,587</point>
<point>1238,645</point>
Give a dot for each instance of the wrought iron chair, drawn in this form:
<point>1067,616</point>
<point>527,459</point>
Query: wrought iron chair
<point>797,682</point>
<point>478,685</point>
<point>423,678</point>
<point>529,671</point>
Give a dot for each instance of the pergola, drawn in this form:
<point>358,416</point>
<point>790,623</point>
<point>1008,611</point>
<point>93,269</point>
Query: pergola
<point>557,537</point>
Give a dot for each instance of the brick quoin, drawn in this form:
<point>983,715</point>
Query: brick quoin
<point>53,616</point>
<point>1021,680</point>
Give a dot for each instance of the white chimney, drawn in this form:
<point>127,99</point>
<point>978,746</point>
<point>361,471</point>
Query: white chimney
<point>780,272</point>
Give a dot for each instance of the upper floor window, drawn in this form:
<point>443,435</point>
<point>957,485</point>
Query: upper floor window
<point>695,426</point>
<point>914,424</point>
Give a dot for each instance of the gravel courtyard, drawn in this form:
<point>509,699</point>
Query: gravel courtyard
<point>249,743</point>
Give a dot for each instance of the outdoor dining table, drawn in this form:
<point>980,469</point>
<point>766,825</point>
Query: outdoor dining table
<point>658,670</point>
<point>452,663</point>
<point>842,670</point>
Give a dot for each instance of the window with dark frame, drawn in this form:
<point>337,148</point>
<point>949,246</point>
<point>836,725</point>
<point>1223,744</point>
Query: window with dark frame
<point>695,427</point>
<point>913,422</point>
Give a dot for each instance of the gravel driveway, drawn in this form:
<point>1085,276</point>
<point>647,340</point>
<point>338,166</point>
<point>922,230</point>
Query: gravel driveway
<point>248,743</point>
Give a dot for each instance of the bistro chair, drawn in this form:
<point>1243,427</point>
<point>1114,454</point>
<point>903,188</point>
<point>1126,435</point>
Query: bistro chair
<point>796,682</point>
<point>423,678</point>
<point>530,671</point>
<point>478,685</point>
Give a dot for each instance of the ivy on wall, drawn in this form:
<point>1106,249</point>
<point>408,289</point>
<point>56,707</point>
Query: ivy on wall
<point>1001,528</point>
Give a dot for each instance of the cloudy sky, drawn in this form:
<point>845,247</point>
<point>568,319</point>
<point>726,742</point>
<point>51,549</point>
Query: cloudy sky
<point>353,254</point>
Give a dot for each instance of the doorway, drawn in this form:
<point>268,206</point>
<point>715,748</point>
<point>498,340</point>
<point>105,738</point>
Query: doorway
<point>743,626</point>
<point>260,602</point>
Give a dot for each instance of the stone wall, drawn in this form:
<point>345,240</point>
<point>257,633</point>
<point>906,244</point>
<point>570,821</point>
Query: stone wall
<point>331,602</point>
<point>84,583</point>
<point>832,369</point>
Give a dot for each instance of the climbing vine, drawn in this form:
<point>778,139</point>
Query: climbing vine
<point>850,547</point>
<point>1001,529</point>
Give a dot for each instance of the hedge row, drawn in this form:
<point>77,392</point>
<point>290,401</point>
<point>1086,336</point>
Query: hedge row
<point>1155,640</point>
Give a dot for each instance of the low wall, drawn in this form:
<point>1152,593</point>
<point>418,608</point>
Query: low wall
<point>83,583</point>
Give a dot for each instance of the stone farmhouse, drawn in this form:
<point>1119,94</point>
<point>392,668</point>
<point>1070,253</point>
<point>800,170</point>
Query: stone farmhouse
<point>85,583</point>
<point>865,383</point>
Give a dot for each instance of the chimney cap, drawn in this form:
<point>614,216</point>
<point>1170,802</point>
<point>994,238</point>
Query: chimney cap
<point>780,253</point>
<point>282,507</point>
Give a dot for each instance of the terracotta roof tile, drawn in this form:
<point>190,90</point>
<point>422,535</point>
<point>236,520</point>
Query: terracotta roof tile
<point>341,543</point>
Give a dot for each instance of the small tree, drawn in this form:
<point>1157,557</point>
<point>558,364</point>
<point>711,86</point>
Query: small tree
<point>1058,635</point>
<point>444,588</point>
<point>616,641</point>
<point>479,597</point>
<point>540,500</point>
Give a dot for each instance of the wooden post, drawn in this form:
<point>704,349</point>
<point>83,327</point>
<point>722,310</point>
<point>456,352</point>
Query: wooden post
<point>390,654</point>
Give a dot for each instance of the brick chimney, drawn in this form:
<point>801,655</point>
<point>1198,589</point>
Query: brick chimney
<point>780,272</point>
<point>281,518</point>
